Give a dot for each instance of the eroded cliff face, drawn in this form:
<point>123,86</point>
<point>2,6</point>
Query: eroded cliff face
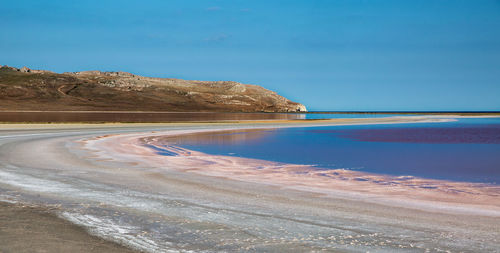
<point>26,89</point>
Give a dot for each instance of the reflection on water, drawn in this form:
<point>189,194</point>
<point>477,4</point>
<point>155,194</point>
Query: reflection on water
<point>231,137</point>
<point>487,134</point>
<point>468,150</point>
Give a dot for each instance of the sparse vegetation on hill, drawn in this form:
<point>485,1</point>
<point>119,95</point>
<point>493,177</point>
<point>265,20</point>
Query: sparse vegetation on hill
<point>26,89</point>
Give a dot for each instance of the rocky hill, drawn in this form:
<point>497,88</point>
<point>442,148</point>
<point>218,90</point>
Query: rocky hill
<point>26,89</point>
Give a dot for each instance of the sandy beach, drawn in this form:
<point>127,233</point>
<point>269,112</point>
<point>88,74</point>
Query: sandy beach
<point>109,180</point>
<point>37,229</point>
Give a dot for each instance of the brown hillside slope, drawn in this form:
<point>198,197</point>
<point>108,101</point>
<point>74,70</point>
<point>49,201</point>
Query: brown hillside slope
<point>26,89</point>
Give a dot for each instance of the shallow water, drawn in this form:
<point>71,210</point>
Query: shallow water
<point>465,150</point>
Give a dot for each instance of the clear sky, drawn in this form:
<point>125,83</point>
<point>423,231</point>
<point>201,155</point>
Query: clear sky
<point>328,55</point>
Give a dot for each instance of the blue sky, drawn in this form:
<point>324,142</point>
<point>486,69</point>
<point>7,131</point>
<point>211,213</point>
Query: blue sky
<point>328,55</point>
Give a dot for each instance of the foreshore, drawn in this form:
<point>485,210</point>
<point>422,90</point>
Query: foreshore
<point>31,228</point>
<point>202,202</point>
<point>403,191</point>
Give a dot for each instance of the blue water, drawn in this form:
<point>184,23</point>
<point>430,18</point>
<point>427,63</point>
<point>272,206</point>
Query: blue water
<point>346,115</point>
<point>466,150</point>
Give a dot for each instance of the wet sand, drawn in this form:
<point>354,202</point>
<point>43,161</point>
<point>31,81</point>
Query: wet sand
<point>26,228</point>
<point>110,180</point>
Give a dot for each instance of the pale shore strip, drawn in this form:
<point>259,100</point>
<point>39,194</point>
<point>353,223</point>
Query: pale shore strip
<point>103,175</point>
<point>272,123</point>
<point>403,191</point>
